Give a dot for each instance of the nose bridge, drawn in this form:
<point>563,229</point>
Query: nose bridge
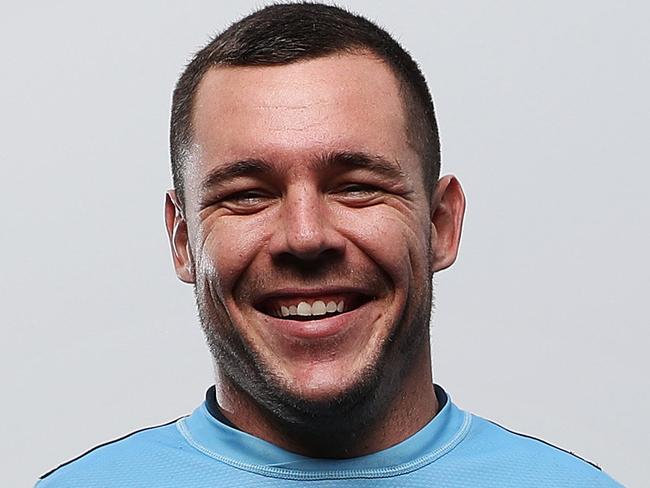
<point>303,219</point>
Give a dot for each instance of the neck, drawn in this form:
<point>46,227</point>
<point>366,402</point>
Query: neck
<point>412,406</point>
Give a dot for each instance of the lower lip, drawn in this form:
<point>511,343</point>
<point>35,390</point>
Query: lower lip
<point>325,327</point>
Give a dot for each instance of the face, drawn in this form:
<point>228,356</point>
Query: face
<point>307,228</point>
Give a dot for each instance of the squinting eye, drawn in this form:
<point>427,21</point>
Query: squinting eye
<point>357,194</point>
<point>245,200</point>
<point>245,197</point>
<point>358,189</point>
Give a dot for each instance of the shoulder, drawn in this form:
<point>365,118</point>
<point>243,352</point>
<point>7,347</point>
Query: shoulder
<point>119,462</point>
<point>524,458</point>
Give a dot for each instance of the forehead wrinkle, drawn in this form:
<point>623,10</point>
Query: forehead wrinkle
<point>302,118</point>
<point>288,106</point>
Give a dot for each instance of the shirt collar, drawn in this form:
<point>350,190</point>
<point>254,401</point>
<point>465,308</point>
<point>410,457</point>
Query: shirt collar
<point>206,431</point>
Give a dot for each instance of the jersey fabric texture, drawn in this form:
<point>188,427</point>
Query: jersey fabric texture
<point>455,449</point>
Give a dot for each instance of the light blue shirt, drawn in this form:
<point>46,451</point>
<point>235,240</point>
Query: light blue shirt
<point>455,449</point>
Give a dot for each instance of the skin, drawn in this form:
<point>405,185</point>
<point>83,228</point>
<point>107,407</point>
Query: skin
<point>327,200</point>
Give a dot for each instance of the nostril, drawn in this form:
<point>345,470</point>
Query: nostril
<point>309,265</point>
<point>308,247</point>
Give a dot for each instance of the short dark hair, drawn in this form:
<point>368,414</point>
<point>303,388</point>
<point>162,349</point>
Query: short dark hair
<point>289,32</point>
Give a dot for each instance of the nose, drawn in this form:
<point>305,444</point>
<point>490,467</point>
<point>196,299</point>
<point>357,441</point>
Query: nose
<point>305,229</point>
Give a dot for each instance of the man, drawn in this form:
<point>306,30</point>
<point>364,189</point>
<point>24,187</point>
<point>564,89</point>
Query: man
<point>309,215</point>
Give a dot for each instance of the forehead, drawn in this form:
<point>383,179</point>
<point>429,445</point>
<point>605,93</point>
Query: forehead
<point>297,111</point>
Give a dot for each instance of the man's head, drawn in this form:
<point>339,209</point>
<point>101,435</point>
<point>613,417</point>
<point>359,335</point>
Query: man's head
<point>308,225</point>
<point>287,33</point>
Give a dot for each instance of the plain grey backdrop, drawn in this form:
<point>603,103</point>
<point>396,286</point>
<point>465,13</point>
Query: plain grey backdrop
<point>541,325</point>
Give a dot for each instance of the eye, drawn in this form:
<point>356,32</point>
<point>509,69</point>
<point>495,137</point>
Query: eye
<point>358,190</point>
<point>357,193</point>
<point>246,201</point>
<point>245,197</point>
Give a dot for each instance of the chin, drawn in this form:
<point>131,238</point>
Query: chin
<point>323,387</point>
<point>333,394</point>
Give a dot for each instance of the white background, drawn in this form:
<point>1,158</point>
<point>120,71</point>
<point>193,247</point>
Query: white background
<point>542,324</point>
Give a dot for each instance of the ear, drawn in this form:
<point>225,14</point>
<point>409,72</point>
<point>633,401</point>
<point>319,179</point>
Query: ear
<point>447,212</point>
<point>177,233</point>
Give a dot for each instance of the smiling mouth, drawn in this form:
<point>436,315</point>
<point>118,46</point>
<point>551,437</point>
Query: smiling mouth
<point>311,308</point>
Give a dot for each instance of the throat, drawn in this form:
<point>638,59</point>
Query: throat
<point>341,429</point>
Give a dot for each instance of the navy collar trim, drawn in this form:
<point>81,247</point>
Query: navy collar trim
<point>214,409</point>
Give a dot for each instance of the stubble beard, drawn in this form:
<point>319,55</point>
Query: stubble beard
<point>341,418</point>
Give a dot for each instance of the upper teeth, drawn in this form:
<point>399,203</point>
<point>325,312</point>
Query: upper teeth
<point>304,309</point>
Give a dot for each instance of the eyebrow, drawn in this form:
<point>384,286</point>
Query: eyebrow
<point>348,160</point>
<point>223,174</point>
<point>361,160</point>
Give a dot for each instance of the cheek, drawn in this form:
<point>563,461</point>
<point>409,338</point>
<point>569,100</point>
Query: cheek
<point>227,247</point>
<point>397,242</point>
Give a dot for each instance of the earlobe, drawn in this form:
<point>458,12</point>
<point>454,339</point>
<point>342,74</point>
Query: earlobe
<point>176,226</point>
<point>447,213</point>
